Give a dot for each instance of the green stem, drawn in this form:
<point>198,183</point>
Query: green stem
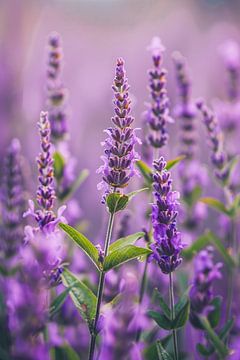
<point>141,294</point>
<point>100,290</point>
<point>174,332</point>
<point>232,244</point>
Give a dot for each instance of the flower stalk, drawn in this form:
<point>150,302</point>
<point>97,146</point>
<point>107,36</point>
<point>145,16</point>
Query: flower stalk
<point>174,332</point>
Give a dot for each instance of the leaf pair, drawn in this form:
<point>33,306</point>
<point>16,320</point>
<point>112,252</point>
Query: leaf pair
<point>146,171</point>
<point>163,319</point>
<point>120,251</point>
<point>216,204</point>
<point>117,201</point>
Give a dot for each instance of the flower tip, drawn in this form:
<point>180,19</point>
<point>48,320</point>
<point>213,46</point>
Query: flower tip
<point>199,103</point>
<point>156,46</point>
<point>54,39</point>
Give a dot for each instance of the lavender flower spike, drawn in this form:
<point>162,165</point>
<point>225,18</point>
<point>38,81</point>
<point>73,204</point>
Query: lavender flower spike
<point>120,155</point>
<point>157,114</point>
<point>186,109</point>
<point>12,201</point>
<point>201,293</point>
<point>167,246</point>
<point>218,158</point>
<point>45,216</point>
<point>57,93</point>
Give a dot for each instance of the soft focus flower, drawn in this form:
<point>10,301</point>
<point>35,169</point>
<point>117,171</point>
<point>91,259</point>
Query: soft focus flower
<point>120,154</point>
<point>167,240</point>
<point>157,115</point>
<point>218,157</point>
<point>12,202</point>
<point>201,293</point>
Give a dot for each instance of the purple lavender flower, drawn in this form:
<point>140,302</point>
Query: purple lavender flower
<point>201,294</point>
<point>157,114</point>
<point>57,93</point>
<point>218,157</point>
<point>120,155</point>
<point>45,217</point>
<point>167,245</point>
<point>186,109</point>
<point>12,201</point>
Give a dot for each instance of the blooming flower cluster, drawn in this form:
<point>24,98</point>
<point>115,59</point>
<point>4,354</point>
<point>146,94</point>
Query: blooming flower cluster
<point>157,114</point>
<point>201,293</point>
<point>57,93</point>
<point>167,240</point>
<point>219,157</point>
<point>120,154</point>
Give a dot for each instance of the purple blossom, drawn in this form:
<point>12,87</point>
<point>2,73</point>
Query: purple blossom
<point>218,157</point>
<point>201,294</point>
<point>167,245</point>
<point>186,109</point>
<point>157,114</point>
<point>120,155</point>
<point>45,217</point>
<point>12,202</point>
<point>57,93</point>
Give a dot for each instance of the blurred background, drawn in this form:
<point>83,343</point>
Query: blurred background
<point>94,33</point>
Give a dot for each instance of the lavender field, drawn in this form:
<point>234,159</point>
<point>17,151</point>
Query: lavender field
<point>119,180</point>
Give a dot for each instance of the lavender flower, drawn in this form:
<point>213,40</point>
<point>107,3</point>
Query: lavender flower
<point>57,93</point>
<point>201,294</point>
<point>186,109</point>
<point>45,217</point>
<point>120,155</point>
<point>12,201</point>
<point>218,158</point>
<point>167,246</point>
<point>157,114</point>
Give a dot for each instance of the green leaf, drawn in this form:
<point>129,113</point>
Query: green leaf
<point>58,302</point>
<point>199,244</point>
<point>228,259</point>
<point>215,314</point>
<point>193,196</point>
<point>218,344</point>
<point>162,353</point>
<point>150,353</point>
<point>82,297</point>
<point>122,255</point>
<point>136,192</point>
<point>145,170</point>
<point>162,303</point>
<point>162,320</point>
<point>65,352</point>
<point>116,202</point>
<point>173,162</point>
<point>128,240</point>
<point>182,309</point>
<point>82,242</point>
<point>59,164</point>
<point>215,204</point>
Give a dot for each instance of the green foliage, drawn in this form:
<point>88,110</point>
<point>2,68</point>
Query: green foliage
<point>162,353</point>
<point>182,309</point>
<point>215,204</point>
<point>206,239</point>
<point>215,314</point>
<point>116,202</point>
<point>127,240</point>
<point>58,302</point>
<point>215,340</point>
<point>122,255</point>
<point>83,242</point>
<point>65,352</point>
<point>173,162</point>
<point>74,187</point>
<point>82,297</point>
<point>59,164</point>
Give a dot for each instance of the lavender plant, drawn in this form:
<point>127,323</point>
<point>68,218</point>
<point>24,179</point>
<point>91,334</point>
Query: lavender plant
<point>117,170</point>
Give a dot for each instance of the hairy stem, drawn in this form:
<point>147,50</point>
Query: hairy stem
<point>174,332</point>
<point>100,290</point>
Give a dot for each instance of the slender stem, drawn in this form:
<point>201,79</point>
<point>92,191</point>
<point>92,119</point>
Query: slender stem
<point>100,289</point>
<point>231,244</point>
<point>174,332</point>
